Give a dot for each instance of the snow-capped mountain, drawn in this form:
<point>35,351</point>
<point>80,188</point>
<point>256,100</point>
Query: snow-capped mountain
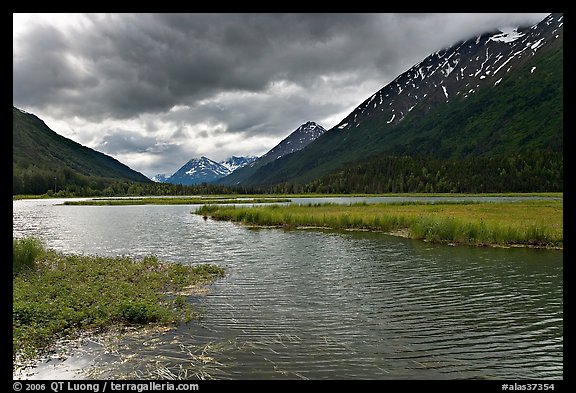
<point>461,70</point>
<point>492,94</point>
<point>234,162</point>
<point>160,178</point>
<point>296,141</point>
<point>204,170</point>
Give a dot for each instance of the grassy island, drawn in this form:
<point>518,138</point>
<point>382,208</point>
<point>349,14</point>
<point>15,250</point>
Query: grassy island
<point>535,223</point>
<point>61,296</point>
<point>172,201</point>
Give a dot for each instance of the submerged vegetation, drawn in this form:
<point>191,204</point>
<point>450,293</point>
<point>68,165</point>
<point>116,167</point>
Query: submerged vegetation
<point>529,223</point>
<point>57,296</point>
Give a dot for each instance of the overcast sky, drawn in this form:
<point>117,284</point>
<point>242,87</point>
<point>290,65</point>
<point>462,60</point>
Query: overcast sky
<point>155,90</point>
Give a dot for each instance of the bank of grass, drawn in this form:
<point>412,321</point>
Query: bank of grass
<point>26,196</point>
<point>317,195</point>
<point>62,296</point>
<point>527,223</point>
<point>425,194</point>
<point>173,201</point>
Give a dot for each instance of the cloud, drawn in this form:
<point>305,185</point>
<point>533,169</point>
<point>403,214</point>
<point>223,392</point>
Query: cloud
<point>133,82</point>
<point>129,64</point>
<point>124,141</point>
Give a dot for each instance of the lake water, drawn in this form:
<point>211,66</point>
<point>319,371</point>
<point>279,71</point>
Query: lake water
<point>309,304</point>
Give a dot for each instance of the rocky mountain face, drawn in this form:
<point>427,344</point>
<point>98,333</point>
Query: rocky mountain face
<point>296,141</point>
<point>458,71</point>
<point>233,163</point>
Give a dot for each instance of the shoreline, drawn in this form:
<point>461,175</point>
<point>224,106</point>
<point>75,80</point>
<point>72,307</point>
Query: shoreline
<point>62,298</point>
<point>529,224</point>
<point>77,357</point>
<point>405,234</point>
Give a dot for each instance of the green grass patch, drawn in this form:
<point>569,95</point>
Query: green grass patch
<point>173,201</point>
<point>24,253</point>
<point>530,223</point>
<point>22,196</point>
<point>65,295</point>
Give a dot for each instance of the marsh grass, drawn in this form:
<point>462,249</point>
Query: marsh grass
<point>172,201</point>
<point>24,253</point>
<point>528,223</point>
<point>65,295</point>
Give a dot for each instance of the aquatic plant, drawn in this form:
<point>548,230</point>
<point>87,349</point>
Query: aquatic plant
<point>65,295</point>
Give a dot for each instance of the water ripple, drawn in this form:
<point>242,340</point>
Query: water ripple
<point>305,304</point>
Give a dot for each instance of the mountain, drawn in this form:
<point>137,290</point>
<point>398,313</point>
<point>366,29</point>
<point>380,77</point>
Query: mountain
<point>44,160</point>
<point>160,178</point>
<point>296,141</point>
<point>233,163</point>
<point>204,170</point>
<point>497,94</point>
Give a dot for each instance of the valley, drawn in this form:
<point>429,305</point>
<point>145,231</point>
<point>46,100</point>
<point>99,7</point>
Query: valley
<point>418,237</point>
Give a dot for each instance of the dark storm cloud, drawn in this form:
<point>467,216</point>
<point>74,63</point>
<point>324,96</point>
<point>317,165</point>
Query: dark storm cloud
<point>126,64</point>
<point>186,78</point>
<point>258,114</point>
<point>122,65</point>
<point>43,72</point>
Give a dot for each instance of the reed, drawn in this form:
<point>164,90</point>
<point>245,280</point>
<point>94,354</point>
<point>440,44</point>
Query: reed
<point>529,223</point>
<point>24,254</point>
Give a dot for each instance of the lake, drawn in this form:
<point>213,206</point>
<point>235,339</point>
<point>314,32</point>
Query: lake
<point>317,304</point>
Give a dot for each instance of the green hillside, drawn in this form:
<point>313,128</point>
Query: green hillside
<point>45,161</point>
<point>522,114</point>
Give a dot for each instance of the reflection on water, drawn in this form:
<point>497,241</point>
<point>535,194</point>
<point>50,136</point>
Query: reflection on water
<point>320,304</point>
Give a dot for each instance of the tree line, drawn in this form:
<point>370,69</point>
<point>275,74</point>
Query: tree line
<point>33,180</point>
<point>529,171</point>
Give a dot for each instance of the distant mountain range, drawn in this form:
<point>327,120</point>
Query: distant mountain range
<point>231,171</point>
<point>204,170</point>
<point>296,141</point>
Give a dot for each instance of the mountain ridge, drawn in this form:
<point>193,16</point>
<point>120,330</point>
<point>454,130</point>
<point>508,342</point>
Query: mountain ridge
<point>497,94</point>
<point>479,96</point>
<point>43,160</point>
<point>204,170</point>
<point>297,140</point>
